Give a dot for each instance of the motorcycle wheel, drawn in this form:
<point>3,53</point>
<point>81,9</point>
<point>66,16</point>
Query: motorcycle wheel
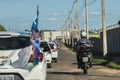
<point>85,68</point>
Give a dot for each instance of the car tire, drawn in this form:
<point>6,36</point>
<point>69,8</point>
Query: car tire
<point>55,60</point>
<point>49,65</point>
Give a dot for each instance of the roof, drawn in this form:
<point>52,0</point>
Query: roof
<point>113,26</point>
<point>8,34</point>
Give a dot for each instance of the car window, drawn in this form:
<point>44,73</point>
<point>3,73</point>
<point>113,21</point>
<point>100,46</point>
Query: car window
<point>43,44</point>
<point>14,42</point>
<point>51,45</point>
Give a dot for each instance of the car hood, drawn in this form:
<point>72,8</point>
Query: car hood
<point>15,58</point>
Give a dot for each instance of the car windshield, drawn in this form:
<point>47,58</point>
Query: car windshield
<point>43,44</point>
<point>10,43</point>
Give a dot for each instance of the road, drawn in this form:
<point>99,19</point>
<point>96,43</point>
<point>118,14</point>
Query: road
<point>66,69</point>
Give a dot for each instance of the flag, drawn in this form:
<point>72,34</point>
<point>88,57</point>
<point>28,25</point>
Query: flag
<point>35,25</point>
<point>35,40</point>
<point>36,51</point>
<point>34,29</point>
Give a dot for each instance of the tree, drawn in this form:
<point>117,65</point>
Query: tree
<point>2,28</point>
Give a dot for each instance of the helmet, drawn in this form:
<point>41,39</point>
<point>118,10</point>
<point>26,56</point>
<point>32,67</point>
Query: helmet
<point>83,34</point>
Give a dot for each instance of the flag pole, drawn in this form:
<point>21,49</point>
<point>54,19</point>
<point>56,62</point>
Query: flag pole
<point>38,14</point>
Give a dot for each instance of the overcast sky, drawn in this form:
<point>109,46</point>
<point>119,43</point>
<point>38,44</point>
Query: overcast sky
<point>18,15</point>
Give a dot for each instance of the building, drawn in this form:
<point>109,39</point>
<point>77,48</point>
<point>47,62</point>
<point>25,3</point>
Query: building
<point>50,35</point>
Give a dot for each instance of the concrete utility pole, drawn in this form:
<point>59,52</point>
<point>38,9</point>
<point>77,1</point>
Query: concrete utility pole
<point>77,21</point>
<point>86,16</point>
<point>51,35</point>
<point>64,32</point>
<point>104,29</point>
<point>70,25</point>
<point>67,32</point>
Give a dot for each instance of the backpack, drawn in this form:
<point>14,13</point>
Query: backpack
<point>84,45</point>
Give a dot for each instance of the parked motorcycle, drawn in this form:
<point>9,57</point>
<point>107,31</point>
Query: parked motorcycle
<point>85,57</point>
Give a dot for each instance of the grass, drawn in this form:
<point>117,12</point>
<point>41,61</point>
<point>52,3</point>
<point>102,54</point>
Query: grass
<point>99,61</point>
<point>96,35</point>
<point>113,65</point>
<point>105,62</point>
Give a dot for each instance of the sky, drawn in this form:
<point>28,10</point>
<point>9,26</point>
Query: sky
<point>18,15</point>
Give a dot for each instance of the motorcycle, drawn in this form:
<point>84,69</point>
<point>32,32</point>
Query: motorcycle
<point>85,57</point>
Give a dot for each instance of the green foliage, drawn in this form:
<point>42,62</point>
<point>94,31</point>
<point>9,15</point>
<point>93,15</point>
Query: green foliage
<point>2,28</point>
<point>113,65</point>
<point>105,62</point>
<point>99,61</point>
<point>92,34</point>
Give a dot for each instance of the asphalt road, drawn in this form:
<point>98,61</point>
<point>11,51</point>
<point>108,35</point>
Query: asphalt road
<point>66,69</point>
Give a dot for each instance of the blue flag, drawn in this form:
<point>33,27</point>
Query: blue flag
<point>35,25</point>
<point>36,40</point>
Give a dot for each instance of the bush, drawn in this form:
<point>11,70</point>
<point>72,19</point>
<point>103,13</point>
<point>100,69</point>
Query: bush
<point>2,28</point>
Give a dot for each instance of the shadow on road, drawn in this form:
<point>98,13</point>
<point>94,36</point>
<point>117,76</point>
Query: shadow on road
<point>66,73</point>
<point>103,75</point>
<point>75,63</point>
<point>81,74</point>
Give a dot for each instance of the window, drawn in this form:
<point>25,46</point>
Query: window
<point>14,42</point>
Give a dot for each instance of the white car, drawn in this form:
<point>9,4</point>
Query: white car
<point>15,53</point>
<point>47,51</point>
<point>54,51</point>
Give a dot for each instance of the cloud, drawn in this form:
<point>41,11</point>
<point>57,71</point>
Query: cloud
<point>52,19</point>
<point>95,13</point>
<point>55,14</point>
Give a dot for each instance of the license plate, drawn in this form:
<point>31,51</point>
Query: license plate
<point>6,77</point>
<point>85,59</point>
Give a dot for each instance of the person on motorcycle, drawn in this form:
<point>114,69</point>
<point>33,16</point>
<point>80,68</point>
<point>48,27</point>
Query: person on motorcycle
<point>83,39</point>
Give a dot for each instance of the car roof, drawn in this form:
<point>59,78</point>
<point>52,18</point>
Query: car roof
<point>13,34</point>
<point>44,41</point>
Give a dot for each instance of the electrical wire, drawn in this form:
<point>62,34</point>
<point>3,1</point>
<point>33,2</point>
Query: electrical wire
<point>92,2</point>
<point>70,13</point>
<point>82,7</point>
<point>81,10</point>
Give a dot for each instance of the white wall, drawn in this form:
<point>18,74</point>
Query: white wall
<point>54,34</point>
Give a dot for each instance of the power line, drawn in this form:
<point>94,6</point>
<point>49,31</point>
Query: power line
<point>73,5</point>
<point>82,7</point>
<point>92,2</point>
<point>71,10</point>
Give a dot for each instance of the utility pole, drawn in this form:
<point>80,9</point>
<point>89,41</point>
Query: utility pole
<point>62,34</point>
<point>104,29</point>
<point>77,21</point>
<point>67,32</point>
<point>70,25</point>
<point>86,16</point>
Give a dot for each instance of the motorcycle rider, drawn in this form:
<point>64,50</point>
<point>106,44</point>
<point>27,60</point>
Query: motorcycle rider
<point>83,39</point>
